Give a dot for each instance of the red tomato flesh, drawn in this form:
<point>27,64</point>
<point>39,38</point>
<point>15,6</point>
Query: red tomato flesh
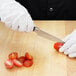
<point>58,45</point>
<point>28,56</point>
<point>22,59</point>
<point>13,55</point>
<point>28,63</point>
<point>17,63</point>
<point>9,64</point>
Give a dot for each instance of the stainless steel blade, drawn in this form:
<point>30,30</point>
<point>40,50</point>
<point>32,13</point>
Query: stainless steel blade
<point>46,35</point>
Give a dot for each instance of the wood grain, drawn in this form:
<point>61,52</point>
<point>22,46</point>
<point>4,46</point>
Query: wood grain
<point>47,62</point>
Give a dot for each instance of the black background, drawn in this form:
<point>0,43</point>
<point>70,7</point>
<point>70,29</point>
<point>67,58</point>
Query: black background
<point>40,9</point>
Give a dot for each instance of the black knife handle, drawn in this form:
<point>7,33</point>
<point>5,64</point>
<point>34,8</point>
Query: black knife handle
<point>34,28</point>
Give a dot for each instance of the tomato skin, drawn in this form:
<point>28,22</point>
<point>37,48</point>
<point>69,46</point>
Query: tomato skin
<point>28,56</point>
<point>14,60</point>
<point>58,45</point>
<point>9,64</point>
<point>22,59</point>
<point>28,63</point>
<point>17,63</point>
<point>13,55</point>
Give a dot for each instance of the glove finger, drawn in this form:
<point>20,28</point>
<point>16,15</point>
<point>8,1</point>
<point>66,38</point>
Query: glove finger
<point>66,46</point>
<point>9,20</point>
<point>8,24</point>
<point>14,27</point>
<point>67,38</point>
<point>72,49</point>
<point>22,28</point>
<point>72,55</point>
<point>15,23</point>
<point>22,21</point>
<point>30,25</point>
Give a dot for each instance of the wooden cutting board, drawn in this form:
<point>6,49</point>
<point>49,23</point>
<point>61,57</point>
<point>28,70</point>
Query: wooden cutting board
<point>47,62</point>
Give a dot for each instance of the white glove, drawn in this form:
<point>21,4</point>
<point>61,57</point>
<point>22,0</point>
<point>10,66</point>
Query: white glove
<point>15,16</point>
<point>69,48</point>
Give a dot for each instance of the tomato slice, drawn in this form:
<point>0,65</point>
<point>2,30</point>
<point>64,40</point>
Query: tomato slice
<point>13,55</point>
<point>9,64</point>
<point>28,56</point>
<point>22,59</point>
<point>58,45</point>
<point>17,63</point>
<point>28,63</point>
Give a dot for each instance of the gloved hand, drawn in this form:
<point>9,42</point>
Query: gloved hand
<point>15,16</point>
<point>69,48</point>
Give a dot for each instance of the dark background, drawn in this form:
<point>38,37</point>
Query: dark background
<point>50,9</point>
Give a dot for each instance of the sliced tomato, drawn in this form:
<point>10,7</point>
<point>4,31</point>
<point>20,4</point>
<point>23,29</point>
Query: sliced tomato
<point>22,59</point>
<point>17,63</point>
<point>28,56</point>
<point>28,63</point>
<point>9,64</point>
<point>13,55</point>
<point>58,45</point>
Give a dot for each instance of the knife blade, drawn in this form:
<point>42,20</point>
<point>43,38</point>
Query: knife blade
<point>46,35</point>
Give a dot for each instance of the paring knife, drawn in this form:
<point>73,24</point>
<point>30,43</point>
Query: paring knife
<point>46,35</point>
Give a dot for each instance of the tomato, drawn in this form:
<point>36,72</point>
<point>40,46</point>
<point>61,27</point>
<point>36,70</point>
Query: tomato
<point>58,45</point>
<point>25,61</point>
<point>17,63</point>
<point>9,64</point>
<point>28,63</point>
<point>21,59</point>
<point>13,55</point>
<point>28,56</point>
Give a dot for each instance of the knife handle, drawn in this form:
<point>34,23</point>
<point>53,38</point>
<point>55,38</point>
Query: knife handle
<point>35,28</point>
